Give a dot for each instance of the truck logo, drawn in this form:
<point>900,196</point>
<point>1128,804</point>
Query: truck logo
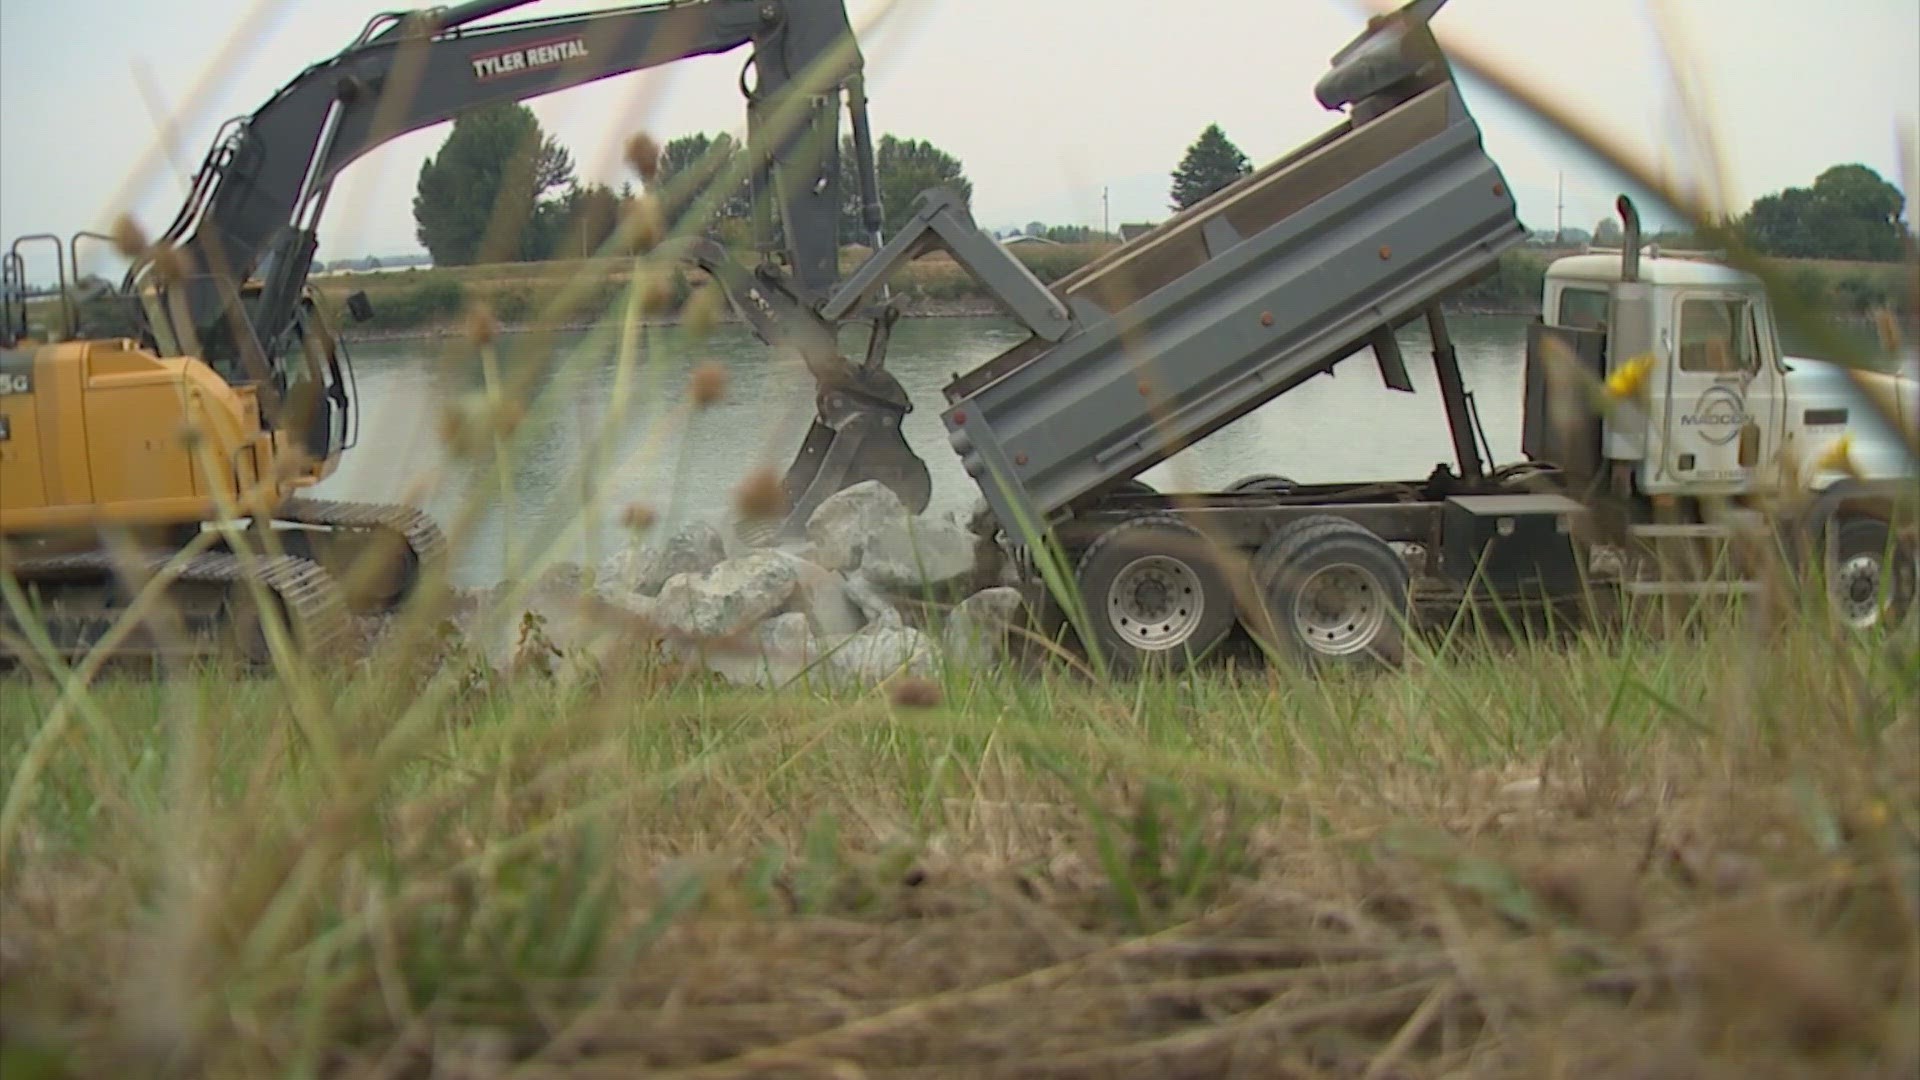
<point>530,58</point>
<point>1718,416</point>
<point>14,383</point>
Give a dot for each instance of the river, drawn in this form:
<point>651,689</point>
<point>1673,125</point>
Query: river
<point>684,464</point>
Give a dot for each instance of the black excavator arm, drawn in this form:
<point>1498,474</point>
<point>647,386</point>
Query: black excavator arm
<point>255,205</point>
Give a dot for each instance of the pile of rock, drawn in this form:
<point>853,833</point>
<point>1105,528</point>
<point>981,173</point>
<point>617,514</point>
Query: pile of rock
<point>829,606</point>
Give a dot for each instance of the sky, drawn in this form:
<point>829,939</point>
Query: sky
<point>1047,103</point>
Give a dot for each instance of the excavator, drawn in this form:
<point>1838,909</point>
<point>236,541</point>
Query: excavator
<point>208,387</point>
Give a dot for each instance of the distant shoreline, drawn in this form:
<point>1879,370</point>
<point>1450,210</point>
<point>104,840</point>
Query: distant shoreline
<point>916,309</point>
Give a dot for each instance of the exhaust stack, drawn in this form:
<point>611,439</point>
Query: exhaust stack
<point>1629,239</point>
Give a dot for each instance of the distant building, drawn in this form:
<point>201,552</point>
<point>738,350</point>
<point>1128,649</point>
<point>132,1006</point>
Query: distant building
<point>1130,232</point>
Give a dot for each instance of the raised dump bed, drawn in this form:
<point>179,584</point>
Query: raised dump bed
<point>1250,293</point>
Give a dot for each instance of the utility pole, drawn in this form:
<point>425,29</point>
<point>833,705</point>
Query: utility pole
<point>1560,210</point>
<point>1106,225</point>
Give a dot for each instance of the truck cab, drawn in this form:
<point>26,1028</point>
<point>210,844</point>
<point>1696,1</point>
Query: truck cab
<point>1701,407</point>
<point>1721,409</point>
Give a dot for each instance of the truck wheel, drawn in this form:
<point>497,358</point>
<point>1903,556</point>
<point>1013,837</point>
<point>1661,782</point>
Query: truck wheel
<point>1155,593</point>
<point>1270,482</point>
<point>1335,593</point>
<point>1870,576</point>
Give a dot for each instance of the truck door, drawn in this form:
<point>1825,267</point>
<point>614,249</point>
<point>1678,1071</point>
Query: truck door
<point>1718,431</point>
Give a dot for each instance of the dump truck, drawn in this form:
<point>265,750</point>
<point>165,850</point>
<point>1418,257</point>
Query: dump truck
<point>1323,256</point>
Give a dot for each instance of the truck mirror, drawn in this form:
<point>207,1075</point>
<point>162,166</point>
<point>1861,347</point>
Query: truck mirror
<point>359,306</point>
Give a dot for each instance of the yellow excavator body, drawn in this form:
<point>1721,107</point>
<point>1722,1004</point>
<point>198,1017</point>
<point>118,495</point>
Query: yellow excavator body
<point>107,434</point>
<point>109,451</point>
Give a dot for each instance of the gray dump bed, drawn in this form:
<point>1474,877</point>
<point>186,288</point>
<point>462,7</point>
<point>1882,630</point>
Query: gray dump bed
<point>1246,295</point>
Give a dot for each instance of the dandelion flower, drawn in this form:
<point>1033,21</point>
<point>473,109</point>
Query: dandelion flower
<point>1630,378</point>
<point>1838,457</point>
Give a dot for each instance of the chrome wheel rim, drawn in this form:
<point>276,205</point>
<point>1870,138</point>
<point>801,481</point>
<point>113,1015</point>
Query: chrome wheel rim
<point>1856,590</point>
<point>1339,610</point>
<point>1155,603</point>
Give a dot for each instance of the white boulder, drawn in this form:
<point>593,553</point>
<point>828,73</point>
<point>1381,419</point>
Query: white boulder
<point>976,631</point>
<point>822,596</point>
<point>845,521</point>
<point>873,605</point>
<point>783,647</point>
<point>728,600</point>
<point>695,549</point>
<point>918,553</point>
<point>881,652</point>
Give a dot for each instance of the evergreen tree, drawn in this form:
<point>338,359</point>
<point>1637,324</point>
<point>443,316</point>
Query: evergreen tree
<point>1211,163</point>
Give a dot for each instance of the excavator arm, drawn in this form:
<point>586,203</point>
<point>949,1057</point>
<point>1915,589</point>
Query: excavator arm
<point>255,206</point>
<point>253,211</point>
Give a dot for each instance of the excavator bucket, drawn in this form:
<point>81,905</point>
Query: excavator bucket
<point>861,445</point>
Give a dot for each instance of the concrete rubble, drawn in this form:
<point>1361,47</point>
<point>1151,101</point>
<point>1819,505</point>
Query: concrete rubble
<point>832,607</point>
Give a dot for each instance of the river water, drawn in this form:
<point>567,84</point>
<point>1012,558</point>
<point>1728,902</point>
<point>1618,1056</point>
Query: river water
<point>683,463</point>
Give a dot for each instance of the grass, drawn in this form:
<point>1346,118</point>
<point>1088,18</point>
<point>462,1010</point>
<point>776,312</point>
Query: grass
<point>1605,857</point>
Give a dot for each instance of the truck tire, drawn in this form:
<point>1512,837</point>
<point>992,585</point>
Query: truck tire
<point>1156,594</point>
<point>1335,594</point>
<point>1870,575</point>
<point>1269,482</point>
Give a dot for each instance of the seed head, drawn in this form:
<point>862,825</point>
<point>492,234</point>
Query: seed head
<point>481,326</point>
<point>169,265</point>
<point>916,693</point>
<point>638,517</point>
<point>656,289</point>
<point>649,223</point>
<point>760,495</point>
<point>703,311</point>
<point>643,155</point>
<point>463,424</point>
<point>708,384</point>
<point>129,239</point>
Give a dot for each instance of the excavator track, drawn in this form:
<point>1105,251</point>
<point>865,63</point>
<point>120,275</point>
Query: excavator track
<point>347,530</point>
<point>209,610</point>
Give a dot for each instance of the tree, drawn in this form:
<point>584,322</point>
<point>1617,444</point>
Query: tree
<point>1211,163</point>
<point>483,196</point>
<point>689,167</point>
<point>587,217</point>
<point>1850,212</point>
<point>904,168</point>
